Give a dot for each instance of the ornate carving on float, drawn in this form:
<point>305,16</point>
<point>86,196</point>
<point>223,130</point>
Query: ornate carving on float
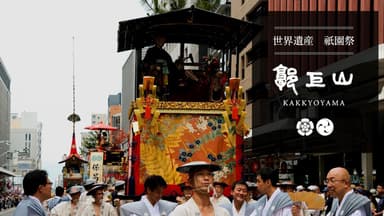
<point>146,104</point>
<point>234,114</point>
<point>188,107</point>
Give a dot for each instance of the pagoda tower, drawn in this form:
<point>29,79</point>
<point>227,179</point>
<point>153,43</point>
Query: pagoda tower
<point>73,170</point>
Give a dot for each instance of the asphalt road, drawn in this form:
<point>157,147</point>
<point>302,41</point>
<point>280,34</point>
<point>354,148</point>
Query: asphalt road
<point>7,212</point>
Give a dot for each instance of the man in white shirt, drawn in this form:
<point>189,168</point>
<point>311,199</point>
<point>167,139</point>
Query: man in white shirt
<point>218,197</point>
<point>274,202</point>
<point>347,202</point>
<point>151,203</point>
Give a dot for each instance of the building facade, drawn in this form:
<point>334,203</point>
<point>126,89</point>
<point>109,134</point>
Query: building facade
<point>273,139</point>
<point>114,110</point>
<point>5,109</point>
<point>96,118</point>
<point>128,89</point>
<point>26,134</point>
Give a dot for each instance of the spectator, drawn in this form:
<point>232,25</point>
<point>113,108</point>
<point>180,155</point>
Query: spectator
<point>59,192</point>
<point>37,188</point>
<point>380,204</point>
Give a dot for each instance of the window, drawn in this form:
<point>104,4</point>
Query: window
<point>242,66</point>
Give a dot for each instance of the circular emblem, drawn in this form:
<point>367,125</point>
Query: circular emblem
<point>304,127</point>
<point>324,127</point>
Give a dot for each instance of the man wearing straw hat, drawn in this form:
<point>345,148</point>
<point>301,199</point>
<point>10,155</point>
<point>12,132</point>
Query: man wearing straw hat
<point>201,178</point>
<point>84,198</point>
<point>69,208</point>
<point>218,197</point>
<point>119,191</point>
<point>98,207</point>
<point>186,190</point>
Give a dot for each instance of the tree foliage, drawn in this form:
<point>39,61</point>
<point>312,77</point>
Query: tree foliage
<point>162,6</point>
<point>209,5</point>
<point>88,142</point>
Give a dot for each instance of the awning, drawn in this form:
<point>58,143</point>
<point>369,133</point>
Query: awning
<point>6,172</point>
<point>191,25</point>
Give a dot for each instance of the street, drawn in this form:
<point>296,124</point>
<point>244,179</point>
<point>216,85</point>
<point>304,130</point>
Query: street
<point>7,212</point>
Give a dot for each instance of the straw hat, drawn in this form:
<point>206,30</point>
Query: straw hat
<point>313,187</point>
<point>191,166</point>
<point>89,183</point>
<point>251,184</point>
<point>300,188</point>
<point>222,184</point>
<point>75,189</point>
<point>95,188</point>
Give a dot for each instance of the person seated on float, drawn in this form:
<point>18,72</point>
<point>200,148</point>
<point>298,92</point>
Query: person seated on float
<point>158,63</point>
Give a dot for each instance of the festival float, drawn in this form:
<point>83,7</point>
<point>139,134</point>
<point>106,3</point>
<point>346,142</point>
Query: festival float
<point>197,113</point>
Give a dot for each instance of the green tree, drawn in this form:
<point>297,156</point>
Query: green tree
<point>162,6</point>
<point>88,142</point>
<point>209,5</point>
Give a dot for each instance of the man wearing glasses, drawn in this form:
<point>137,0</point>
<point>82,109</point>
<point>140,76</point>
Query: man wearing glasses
<point>37,189</point>
<point>346,202</point>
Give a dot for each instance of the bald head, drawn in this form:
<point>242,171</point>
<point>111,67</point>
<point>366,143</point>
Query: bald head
<point>338,182</point>
<point>340,173</point>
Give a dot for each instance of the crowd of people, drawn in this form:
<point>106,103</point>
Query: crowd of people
<point>9,199</point>
<point>201,196</point>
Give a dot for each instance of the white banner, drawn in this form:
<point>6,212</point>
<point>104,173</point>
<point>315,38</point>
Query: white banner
<point>96,166</point>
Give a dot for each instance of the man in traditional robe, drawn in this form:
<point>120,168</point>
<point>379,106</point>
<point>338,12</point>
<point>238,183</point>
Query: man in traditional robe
<point>150,203</point>
<point>239,205</point>
<point>345,201</point>
<point>98,207</point>
<point>201,178</point>
<point>218,197</point>
<point>70,208</point>
<point>273,202</point>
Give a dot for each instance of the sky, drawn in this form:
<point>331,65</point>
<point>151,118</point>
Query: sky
<point>36,47</point>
